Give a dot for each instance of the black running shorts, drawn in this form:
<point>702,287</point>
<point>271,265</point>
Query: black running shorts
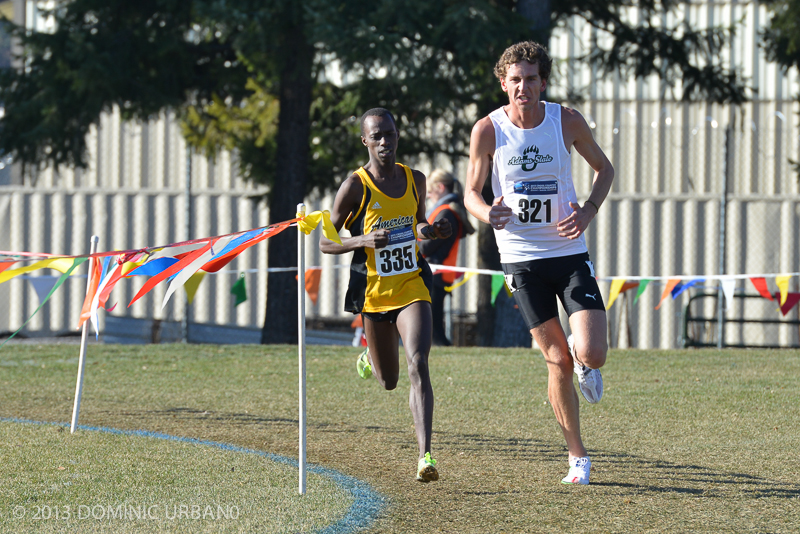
<point>387,316</point>
<point>536,284</point>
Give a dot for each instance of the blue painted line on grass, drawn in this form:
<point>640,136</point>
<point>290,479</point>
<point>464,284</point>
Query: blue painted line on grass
<point>367,503</point>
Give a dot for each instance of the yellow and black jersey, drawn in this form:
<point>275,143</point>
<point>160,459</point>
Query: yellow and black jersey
<point>396,275</point>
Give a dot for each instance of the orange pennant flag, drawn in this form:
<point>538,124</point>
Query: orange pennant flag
<point>96,270</point>
<point>761,286</point>
<point>671,283</point>
<point>312,284</point>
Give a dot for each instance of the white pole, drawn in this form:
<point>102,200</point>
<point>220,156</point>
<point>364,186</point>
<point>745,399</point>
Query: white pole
<point>187,199</point>
<point>82,358</point>
<point>301,345</point>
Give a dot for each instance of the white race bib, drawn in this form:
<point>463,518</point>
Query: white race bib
<point>398,257</point>
<point>535,203</point>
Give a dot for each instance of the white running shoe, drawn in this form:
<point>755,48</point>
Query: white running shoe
<point>590,380</point>
<point>578,471</point>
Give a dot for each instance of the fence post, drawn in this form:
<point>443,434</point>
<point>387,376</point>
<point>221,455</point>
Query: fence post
<point>727,169</point>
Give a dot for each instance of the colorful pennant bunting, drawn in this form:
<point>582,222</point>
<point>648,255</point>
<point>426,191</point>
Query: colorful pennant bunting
<point>196,264</point>
<point>59,264</point>
<point>75,263</point>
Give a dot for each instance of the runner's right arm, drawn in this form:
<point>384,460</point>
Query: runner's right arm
<point>481,152</point>
<point>347,201</point>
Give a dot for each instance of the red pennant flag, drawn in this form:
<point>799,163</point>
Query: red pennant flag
<point>5,265</point>
<point>761,286</point>
<point>791,300</point>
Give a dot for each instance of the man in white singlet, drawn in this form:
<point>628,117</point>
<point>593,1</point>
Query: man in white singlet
<point>525,146</point>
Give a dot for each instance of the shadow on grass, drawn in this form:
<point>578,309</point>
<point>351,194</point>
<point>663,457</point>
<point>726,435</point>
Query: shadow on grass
<point>612,470</point>
<point>231,417</point>
<point>690,479</point>
<point>654,476</point>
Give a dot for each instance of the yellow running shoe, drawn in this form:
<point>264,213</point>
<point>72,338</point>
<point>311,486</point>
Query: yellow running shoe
<point>426,469</point>
<point>363,366</point>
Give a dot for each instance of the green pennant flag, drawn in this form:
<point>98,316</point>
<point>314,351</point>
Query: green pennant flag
<point>642,285</point>
<point>239,290</point>
<point>497,284</point>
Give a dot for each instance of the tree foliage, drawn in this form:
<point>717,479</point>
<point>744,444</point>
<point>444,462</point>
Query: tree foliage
<point>782,36</point>
<point>781,40</point>
<point>215,62</point>
<point>283,82</point>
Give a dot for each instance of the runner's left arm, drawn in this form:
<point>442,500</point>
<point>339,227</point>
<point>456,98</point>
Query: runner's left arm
<point>578,134</point>
<point>440,229</point>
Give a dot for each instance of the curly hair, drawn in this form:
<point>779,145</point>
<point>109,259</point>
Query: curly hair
<point>529,51</point>
<point>376,112</point>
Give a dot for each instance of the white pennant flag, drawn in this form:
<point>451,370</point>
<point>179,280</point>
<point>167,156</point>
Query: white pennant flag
<point>728,284</point>
<point>42,285</point>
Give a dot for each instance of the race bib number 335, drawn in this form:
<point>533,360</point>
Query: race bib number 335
<point>398,257</point>
<point>536,203</point>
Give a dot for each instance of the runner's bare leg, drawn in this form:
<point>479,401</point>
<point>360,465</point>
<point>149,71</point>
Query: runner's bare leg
<point>415,326</point>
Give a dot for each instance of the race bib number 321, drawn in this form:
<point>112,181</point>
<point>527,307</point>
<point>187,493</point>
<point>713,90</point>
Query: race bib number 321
<point>536,203</point>
<point>398,257</point>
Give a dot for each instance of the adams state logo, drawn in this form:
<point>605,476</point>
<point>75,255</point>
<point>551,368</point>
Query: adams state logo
<point>530,158</point>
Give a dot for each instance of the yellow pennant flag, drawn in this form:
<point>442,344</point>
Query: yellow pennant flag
<point>192,284</point>
<point>59,264</point>
<point>461,282</point>
<point>312,220</point>
<point>783,284</point>
<point>616,286</point>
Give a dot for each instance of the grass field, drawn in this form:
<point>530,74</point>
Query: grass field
<point>683,441</point>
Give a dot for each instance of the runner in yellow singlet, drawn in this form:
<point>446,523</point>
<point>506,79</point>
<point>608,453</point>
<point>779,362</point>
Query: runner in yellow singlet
<point>380,205</point>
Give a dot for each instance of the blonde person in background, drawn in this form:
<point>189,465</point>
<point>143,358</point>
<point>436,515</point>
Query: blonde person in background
<point>445,193</point>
